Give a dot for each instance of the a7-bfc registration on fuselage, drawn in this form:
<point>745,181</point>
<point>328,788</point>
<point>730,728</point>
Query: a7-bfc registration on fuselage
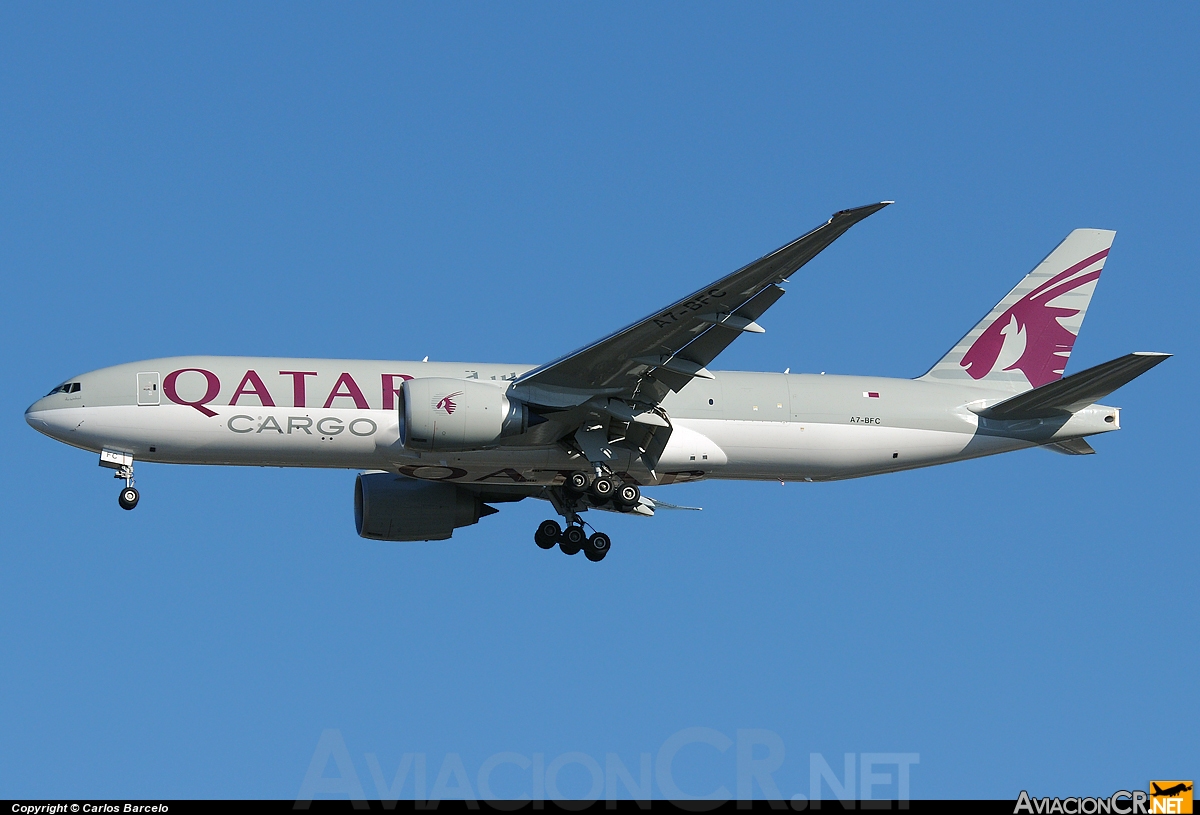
<point>440,442</point>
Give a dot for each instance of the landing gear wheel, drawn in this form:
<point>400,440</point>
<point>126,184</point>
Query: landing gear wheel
<point>597,547</point>
<point>128,498</point>
<point>577,482</point>
<point>572,540</point>
<point>604,487</point>
<point>547,534</point>
<point>629,496</point>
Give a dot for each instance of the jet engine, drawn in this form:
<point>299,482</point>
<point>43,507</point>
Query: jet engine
<point>391,507</point>
<point>458,414</point>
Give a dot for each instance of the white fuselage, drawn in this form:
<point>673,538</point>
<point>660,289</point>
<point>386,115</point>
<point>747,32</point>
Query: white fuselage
<point>337,413</point>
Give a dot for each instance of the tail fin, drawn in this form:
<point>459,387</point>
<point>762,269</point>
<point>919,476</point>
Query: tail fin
<point>1024,342</point>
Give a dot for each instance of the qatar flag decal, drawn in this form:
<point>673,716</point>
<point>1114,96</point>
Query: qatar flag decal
<point>870,394</point>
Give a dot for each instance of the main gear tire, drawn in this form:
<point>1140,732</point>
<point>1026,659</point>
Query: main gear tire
<point>577,483</point>
<point>604,487</point>
<point>597,547</point>
<point>547,535</point>
<point>572,540</point>
<point>628,496</point>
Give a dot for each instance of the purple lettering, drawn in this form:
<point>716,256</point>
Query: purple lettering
<point>298,385</point>
<point>352,390</point>
<point>214,388</point>
<point>252,384</point>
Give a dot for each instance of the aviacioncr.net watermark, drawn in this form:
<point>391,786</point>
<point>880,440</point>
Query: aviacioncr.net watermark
<point>745,765</point>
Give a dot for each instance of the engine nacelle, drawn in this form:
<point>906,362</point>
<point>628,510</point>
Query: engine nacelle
<point>390,507</point>
<point>457,414</point>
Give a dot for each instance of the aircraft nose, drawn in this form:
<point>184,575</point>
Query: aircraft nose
<point>35,417</point>
<point>32,417</point>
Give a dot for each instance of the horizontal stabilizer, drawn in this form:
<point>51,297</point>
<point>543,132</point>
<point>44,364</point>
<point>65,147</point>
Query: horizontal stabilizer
<point>1072,447</point>
<point>1076,391</point>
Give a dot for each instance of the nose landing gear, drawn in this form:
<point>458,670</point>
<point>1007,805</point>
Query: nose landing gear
<point>123,464</point>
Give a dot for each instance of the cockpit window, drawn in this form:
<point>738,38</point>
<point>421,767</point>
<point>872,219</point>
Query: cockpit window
<point>66,387</point>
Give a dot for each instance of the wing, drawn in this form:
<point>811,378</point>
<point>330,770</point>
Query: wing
<point>665,351</point>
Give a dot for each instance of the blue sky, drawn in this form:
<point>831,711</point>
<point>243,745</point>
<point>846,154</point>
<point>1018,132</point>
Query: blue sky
<point>478,182</point>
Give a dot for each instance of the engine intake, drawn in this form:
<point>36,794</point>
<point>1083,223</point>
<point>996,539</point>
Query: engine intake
<point>391,507</point>
<point>458,414</point>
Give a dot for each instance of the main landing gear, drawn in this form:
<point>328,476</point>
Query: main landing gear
<point>579,491</point>
<point>572,540</point>
<point>601,489</point>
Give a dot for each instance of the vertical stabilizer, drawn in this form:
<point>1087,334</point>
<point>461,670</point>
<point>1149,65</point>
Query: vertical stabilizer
<point>1025,341</point>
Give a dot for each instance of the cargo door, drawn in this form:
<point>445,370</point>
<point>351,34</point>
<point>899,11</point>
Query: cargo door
<point>147,388</point>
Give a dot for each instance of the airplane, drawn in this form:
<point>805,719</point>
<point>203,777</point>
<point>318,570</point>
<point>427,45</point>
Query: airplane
<point>438,443</point>
<point>1169,792</point>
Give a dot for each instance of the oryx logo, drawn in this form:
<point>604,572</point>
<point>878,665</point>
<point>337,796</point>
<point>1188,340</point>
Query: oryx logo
<point>1029,332</point>
<point>447,403</point>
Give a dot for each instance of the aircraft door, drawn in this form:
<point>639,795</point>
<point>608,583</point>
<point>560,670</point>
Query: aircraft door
<point>147,388</point>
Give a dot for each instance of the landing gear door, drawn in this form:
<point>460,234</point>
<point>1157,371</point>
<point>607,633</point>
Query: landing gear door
<point>147,388</point>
